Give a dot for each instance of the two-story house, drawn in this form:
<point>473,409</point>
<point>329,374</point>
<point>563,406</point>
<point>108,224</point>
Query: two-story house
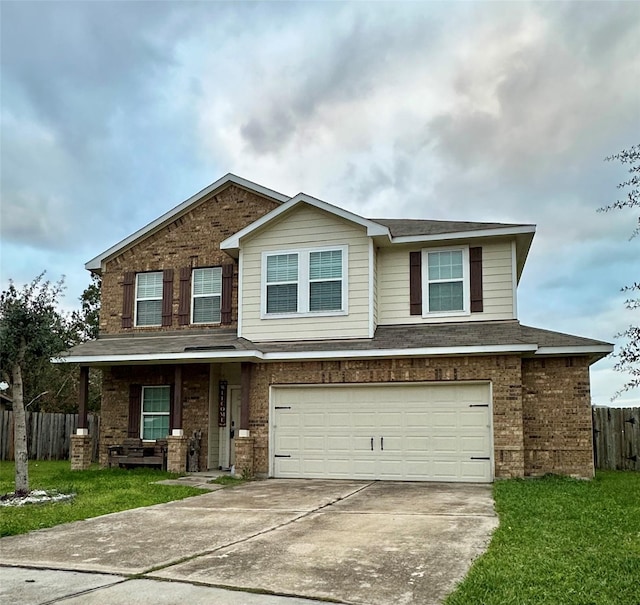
<point>303,340</point>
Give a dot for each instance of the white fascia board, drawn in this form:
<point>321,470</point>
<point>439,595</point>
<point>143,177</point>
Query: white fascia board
<point>95,264</point>
<point>195,356</point>
<point>576,350</point>
<point>373,228</point>
<point>500,231</point>
<point>161,357</point>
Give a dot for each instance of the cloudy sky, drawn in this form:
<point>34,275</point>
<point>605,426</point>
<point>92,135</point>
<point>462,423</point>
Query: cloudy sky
<point>114,112</point>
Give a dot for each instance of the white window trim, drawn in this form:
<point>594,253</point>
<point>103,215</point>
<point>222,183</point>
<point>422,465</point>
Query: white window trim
<point>194,296</point>
<point>142,412</point>
<point>466,296</point>
<point>136,300</point>
<point>303,283</point>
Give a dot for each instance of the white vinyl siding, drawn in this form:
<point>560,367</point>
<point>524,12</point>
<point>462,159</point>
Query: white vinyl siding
<point>155,412</point>
<point>393,285</point>
<point>398,432</point>
<point>310,229</point>
<point>206,295</point>
<point>148,307</point>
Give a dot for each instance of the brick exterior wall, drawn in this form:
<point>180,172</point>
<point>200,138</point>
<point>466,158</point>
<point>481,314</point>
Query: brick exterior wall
<point>558,433</point>
<point>541,407</point>
<point>192,240</point>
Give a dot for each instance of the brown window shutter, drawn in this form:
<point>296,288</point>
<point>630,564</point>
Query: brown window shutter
<point>128,285</point>
<point>135,402</point>
<point>227,293</point>
<point>172,408</point>
<point>184,306</point>
<point>167,297</point>
<point>475,279</point>
<point>415,283</point>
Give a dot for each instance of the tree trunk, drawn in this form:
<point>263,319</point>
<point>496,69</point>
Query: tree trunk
<point>21,454</point>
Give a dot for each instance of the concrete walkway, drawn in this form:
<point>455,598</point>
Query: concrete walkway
<point>375,543</point>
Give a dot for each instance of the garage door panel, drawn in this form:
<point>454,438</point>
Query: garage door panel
<point>430,432</point>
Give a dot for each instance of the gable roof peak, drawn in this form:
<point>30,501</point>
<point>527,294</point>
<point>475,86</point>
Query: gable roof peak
<point>95,264</point>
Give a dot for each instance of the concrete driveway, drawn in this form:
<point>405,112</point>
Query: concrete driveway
<point>375,543</point>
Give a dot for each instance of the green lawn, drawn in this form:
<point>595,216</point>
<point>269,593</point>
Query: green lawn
<point>561,542</point>
<point>98,492</point>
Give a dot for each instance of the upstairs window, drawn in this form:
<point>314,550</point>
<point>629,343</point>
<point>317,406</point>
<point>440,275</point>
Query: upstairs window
<point>149,299</point>
<point>325,280</point>
<point>282,283</point>
<point>206,295</point>
<point>305,282</point>
<point>155,412</point>
<point>447,281</point>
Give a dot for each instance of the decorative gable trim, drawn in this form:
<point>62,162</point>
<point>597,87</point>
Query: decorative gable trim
<point>232,243</point>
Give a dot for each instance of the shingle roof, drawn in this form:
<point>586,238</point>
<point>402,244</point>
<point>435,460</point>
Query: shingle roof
<point>407,227</point>
<point>442,338</point>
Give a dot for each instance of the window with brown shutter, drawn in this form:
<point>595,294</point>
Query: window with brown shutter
<point>127,299</point>
<point>475,279</point>
<point>227,293</point>
<point>415,283</point>
<point>184,305</point>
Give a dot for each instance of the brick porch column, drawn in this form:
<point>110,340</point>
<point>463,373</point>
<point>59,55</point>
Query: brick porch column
<point>177,454</point>
<point>244,457</point>
<point>80,452</point>
<point>81,442</point>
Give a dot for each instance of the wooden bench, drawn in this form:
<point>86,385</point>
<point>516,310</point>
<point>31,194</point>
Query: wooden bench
<point>135,452</point>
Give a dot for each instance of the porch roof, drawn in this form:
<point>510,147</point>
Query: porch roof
<point>223,345</point>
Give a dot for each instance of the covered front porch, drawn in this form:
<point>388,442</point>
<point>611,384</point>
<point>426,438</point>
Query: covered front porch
<point>200,408</point>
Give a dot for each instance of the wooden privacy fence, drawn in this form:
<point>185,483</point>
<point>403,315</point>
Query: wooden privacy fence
<point>616,438</point>
<point>48,435</point>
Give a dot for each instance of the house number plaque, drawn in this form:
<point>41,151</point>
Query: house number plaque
<point>222,403</point>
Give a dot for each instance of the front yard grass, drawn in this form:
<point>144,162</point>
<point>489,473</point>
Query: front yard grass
<point>561,541</point>
<point>98,492</point>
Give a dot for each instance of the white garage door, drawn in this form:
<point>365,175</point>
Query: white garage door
<point>409,432</point>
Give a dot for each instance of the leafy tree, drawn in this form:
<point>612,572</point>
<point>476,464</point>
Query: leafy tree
<point>32,330</point>
<point>629,353</point>
<point>86,322</point>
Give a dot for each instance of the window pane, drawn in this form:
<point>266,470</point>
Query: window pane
<point>155,427</point>
<point>325,265</point>
<point>149,285</point>
<point>282,298</point>
<point>156,399</point>
<point>445,265</point>
<point>282,267</point>
<point>207,281</point>
<point>206,309</point>
<point>325,296</point>
<point>445,296</point>
<point>149,313</point>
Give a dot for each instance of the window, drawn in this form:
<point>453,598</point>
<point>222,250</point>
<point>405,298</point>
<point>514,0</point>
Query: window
<point>447,281</point>
<point>149,299</point>
<point>155,412</point>
<point>206,295</point>
<point>282,283</point>
<point>325,280</point>
<point>305,282</point>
